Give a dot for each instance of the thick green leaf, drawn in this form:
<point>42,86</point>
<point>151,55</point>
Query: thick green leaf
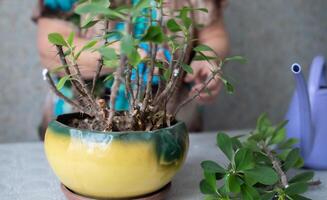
<point>299,197</point>
<point>249,193</point>
<point>211,179</point>
<point>213,167</point>
<point>291,159</point>
<point>228,86</point>
<point>206,188</point>
<point>279,133</point>
<point>57,39</point>
<point>167,74</point>
<point>262,174</point>
<point>288,143</point>
<point>89,23</point>
<point>98,9</point>
<point>87,46</point>
<point>62,82</point>
<point>243,159</point>
<point>268,196</point>
<point>173,26</point>
<point>302,177</point>
<point>278,136</point>
<point>296,188</point>
<point>224,142</point>
<point>108,53</point>
<point>109,78</point>
<point>111,63</point>
<point>58,69</point>
<point>70,38</point>
<point>236,58</point>
<point>187,68</point>
<point>154,34</point>
<point>204,58</point>
<point>233,184</point>
<point>203,47</point>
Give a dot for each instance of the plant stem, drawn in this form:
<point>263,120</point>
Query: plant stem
<point>67,71</point>
<point>53,87</point>
<point>276,165</point>
<point>187,101</point>
<point>100,62</point>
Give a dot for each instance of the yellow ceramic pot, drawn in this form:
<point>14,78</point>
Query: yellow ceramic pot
<point>111,164</point>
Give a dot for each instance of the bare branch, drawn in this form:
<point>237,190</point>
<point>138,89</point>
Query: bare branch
<point>53,87</point>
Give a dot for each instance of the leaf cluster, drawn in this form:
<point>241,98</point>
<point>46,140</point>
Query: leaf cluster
<point>257,167</point>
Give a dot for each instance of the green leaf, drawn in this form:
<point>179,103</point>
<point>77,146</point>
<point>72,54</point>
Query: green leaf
<point>89,23</point>
<point>108,53</point>
<point>298,197</point>
<point>187,68</point>
<point>57,39</point>
<point>62,82</point>
<point>296,188</point>
<point>288,143</point>
<point>233,184</point>
<point>98,9</point>
<point>154,34</point>
<point>211,180</point>
<point>87,46</point>
<point>262,174</point>
<point>204,58</point>
<point>228,86</point>
<point>58,69</point>
<point>111,63</point>
<point>70,39</point>
<point>278,136</point>
<point>203,47</point>
<point>243,159</point>
<point>268,196</point>
<point>211,166</point>
<point>109,78</point>
<point>240,59</point>
<point>173,26</point>
<point>224,142</point>
<point>279,133</point>
<point>206,188</point>
<point>291,159</point>
<point>249,193</point>
<point>167,74</point>
<point>302,177</point>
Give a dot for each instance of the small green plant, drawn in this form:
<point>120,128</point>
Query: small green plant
<point>257,167</point>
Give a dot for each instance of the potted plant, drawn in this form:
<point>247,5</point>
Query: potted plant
<point>102,152</point>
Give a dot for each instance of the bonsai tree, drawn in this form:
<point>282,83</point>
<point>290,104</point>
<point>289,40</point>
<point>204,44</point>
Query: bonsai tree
<point>147,108</point>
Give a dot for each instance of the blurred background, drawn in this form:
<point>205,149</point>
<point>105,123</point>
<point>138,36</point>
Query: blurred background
<point>270,34</point>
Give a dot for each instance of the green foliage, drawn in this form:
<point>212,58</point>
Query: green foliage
<point>57,39</point>
<point>250,173</point>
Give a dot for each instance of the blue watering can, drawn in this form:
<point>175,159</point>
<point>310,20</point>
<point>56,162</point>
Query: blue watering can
<point>307,114</point>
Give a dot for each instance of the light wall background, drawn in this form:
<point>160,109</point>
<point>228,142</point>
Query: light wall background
<point>270,34</point>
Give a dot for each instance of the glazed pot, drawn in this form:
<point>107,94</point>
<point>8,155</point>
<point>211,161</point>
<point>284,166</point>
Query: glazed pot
<point>114,164</point>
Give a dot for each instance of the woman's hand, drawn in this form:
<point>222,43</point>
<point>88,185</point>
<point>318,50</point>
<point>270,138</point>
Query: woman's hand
<point>201,72</point>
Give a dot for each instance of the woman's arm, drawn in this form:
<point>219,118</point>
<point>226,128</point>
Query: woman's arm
<point>48,53</point>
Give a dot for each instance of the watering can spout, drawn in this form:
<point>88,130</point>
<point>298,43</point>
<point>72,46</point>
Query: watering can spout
<point>305,122</point>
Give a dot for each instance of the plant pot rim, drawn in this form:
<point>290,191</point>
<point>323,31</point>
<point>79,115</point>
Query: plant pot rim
<point>59,122</point>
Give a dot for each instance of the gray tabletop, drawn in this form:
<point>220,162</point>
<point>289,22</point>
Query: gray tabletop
<point>26,175</point>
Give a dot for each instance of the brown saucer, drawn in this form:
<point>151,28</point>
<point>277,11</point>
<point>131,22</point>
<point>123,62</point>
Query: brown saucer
<point>158,195</point>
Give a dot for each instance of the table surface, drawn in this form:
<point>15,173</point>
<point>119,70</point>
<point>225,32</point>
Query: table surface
<point>26,175</point>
